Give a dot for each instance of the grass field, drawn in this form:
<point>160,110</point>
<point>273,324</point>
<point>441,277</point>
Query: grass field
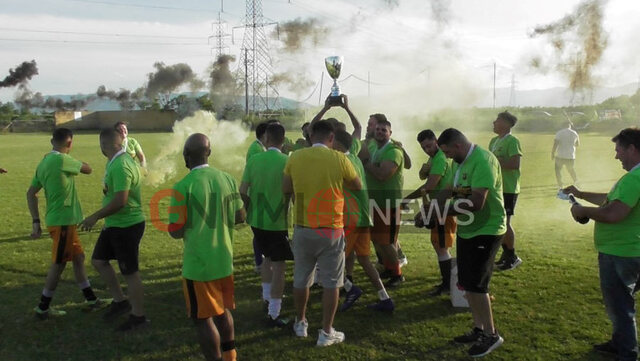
<point>549,308</point>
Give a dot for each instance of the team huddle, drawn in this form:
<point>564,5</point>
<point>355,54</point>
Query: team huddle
<point>343,194</point>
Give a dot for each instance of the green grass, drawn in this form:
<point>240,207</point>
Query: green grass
<point>548,309</point>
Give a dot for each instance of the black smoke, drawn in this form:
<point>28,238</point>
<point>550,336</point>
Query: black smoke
<point>167,79</point>
<point>20,75</point>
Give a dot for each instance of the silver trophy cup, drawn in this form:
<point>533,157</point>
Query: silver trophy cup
<point>334,65</point>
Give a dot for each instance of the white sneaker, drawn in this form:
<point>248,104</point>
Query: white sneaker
<point>328,339</point>
<point>300,328</point>
<point>403,261</point>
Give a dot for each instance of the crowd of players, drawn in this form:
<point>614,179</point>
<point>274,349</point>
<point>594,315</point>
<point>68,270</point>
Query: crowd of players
<point>344,193</point>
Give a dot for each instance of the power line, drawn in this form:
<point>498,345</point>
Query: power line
<point>96,42</point>
<point>100,34</point>
<point>154,7</point>
<point>143,6</point>
<point>363,80</point>
<point>310,95</point>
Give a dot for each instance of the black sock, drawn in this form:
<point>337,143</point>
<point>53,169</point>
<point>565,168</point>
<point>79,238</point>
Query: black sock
<point>445,271</point>
<point>228,346</point>
<point>44,302</point>
<point>510,252</point>
<point>88,294</point>
<point>137,319</point>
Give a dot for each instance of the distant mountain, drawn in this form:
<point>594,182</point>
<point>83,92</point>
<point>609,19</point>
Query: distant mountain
<point>553,97</point>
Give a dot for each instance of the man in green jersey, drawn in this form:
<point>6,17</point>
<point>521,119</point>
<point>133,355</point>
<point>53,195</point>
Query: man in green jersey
<point>357,234</point>
<point>506,147</point>
<point>369,147</point>
<point>261,190</point>
<point>478,204</point>
<point>208,205</point>
<point>384,181</point>
<point>443,232</point>
<point>617,239</point>
<point>56,174</point>
<point>257,146</point>
<point>131,145</point>
<point>122,232</point>
<point>303,142</point>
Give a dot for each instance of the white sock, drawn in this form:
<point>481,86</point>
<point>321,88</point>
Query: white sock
<point>446,257</point>
<point>383,295</point>
<point>84,284</point>
<point>275,304</point>
<point>266,291</point>
<point>347,285</point>
<point>48,293</point>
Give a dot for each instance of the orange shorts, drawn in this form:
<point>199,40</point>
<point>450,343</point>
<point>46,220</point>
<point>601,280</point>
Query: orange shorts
<point>208,299</point>
<point>442,236</point>
<point>358,239</point>
<point>386,226</point>
<point>66,243</point>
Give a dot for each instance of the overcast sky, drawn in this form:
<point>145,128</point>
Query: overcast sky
<point>81,44</point>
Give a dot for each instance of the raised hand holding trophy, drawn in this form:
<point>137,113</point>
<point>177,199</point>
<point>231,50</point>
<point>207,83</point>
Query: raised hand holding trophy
<point>334,66</point>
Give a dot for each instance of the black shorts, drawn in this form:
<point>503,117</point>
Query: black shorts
<point>121,244</point>
<point>475,261</point>
<point>510,200</point>
<point>273,244</point>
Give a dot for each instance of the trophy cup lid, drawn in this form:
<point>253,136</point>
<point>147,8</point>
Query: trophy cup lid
<point>334,65</point>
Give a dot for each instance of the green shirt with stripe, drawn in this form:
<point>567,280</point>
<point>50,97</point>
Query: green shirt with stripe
<point>132,147</point>
<point>441,165</point>
<point>361,196</point>
<point>263,173</point>
<point>56,174</point>
<point>122,174</point>
<point>255,148</point>
<point>622,238</point>
<point>210,199</point>
<point>356,146</point>
<point>480,170</point>
<point>387,193</point>
<point>504,148</point>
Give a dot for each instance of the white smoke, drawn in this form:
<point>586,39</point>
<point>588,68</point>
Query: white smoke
<point>227,138</point>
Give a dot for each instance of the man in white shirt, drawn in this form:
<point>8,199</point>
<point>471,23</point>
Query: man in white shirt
<point>565,144</point>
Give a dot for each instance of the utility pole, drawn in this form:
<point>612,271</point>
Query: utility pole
<point>320,94</point>
<point>512,95</point>
<point>255,56</point>
<point>638,96</point>
<point>246,83</point>
<point>494,85</point>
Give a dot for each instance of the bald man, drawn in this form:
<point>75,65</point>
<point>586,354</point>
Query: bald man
<point>208,205</point>
<point>122,232</point>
